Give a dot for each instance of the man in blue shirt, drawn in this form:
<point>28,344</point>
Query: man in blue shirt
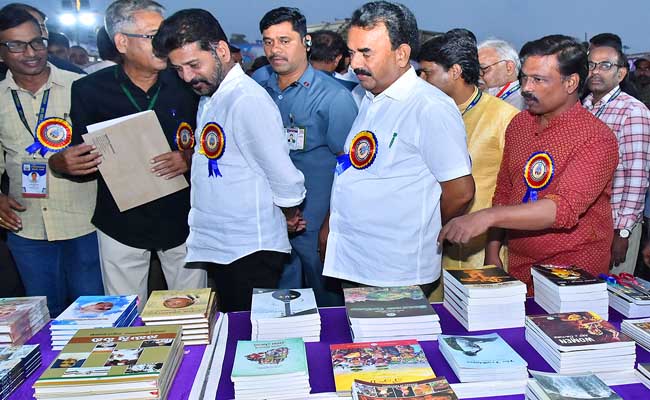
<point>317,113</point>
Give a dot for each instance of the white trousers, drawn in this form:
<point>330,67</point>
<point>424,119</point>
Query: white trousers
<point>125,269</point>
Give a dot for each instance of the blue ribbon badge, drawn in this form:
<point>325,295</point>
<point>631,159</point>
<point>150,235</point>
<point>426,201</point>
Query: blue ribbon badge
<point>538,174</point>
<point>213,145</point>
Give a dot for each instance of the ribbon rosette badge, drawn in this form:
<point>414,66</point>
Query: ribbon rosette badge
<point>213,145</point>
<point>53,134</point>
<point>363,151</point>
<point>538,174</point>
<point>184,136</point>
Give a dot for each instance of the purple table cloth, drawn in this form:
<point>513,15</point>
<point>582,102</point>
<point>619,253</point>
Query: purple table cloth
<point>334,330</point>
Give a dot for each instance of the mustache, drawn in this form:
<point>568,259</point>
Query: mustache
<point>196,81</point>
<point>276,57</point>
<point>529,96</point>
<point>361,71</point>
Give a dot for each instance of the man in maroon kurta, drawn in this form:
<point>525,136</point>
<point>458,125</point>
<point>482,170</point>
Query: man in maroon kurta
<point>552,200</point>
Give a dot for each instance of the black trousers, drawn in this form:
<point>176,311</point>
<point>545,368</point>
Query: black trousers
<point>234,282</point>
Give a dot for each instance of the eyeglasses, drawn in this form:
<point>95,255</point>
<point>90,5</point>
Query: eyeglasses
<point>484,70</point>
<point>603,65</point>
<point>18,46</point>
<point>138,35</point>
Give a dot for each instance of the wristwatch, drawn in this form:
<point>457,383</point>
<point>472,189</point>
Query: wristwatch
<point>624,233</point>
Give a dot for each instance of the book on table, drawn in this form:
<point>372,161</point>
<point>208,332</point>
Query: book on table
<point>484,298</point>
<point>125,363</point>
<point>643,373</point>
<point>285,313</point>
<point>193,309</point>
<point>17,363</point>
<point>561,289</point>
<point>632,299</point>
<point>378,362</point>
<point>271,369</point>
<point>387,313</point>
<point>435,388</point>
<point>548,386</point>
<point>637,329</point>
<point>21,318</point>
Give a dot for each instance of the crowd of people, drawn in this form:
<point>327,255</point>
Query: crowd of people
<point>335,161</point>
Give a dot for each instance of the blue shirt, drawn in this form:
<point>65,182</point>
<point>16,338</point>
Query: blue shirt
<point>325,110</point>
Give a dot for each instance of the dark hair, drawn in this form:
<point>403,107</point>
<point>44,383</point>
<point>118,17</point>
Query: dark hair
<point>79,47</point>
<point>285,14</point>
<point>58,39</point>
<point>11,17</point>
<point>106,47</point>
<point>607,39</point>
<point>457,46</point>
<point>26,7</point>
<point>326,46</point>
<point>258,63</point>
<point>400,22</point>
<point>188,26</point>
<point>571,55</point>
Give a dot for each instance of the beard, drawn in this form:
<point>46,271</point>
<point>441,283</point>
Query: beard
<point>211,84</point>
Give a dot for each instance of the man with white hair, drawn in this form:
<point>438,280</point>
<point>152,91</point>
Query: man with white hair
<point>141,82</point>
<point>500,71</point>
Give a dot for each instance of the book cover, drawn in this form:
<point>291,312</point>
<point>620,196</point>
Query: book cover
<point>379,362</point>
<point>127,353</point>
<point>96,310</point>
<point>428,389</point>
<point>573,387</point>
<point>480,352</point>
<point>577,329</point>
<point>181,304</point>
<point>282,303</point>
<point>566,275</point>
<point>642,324</point>
<point>269,357</point>
<point>483,278</point>
<point>390,302</point>
<point>633,293</point>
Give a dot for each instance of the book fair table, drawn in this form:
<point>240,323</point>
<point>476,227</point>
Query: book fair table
<point>335,330</point>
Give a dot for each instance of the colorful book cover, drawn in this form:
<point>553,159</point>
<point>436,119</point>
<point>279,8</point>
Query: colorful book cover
<point>637,293</point>
<point>566,275</point>
<point>390,302</point>
<point>281,303</point>
<point>491,277</point>
<point>96,310</point>
<point>480,352</point>
<point>573,387</point>
<point>130,353</point>
<point>181,304</point>
<point>269,357</point>
<point>428,389</point>
<point>643,324</point>
<point>381,362</point>
<point>577,329</point>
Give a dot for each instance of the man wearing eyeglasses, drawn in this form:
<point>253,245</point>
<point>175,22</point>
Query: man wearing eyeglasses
<point>500,71</point>
<point>141,82</point>
<point>630,120</point>
<point>50,235</point>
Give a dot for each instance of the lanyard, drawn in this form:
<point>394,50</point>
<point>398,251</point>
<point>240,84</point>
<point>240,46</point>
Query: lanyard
<point>21,111</point>
<point>601,110</point>
<point>474,102</point>
<point>128,94</point>
<point>510,91</point>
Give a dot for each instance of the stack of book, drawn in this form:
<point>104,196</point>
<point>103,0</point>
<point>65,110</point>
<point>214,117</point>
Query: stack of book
<point>21,318</point>
<point>395,313</point>
<point>285,313</point>
<point>115,363</point>
<point>484,299</point>
<point>485,358</point>
<point>193,309</point>
<point>561,289</point>
<point>637,329</point>
<point>581,342</point>
<point>546,386</point>
<point>631,299</point>
<point>436,388</point>
<point>392,362</point>
<point>271,369</point>
<point>16,364</point>
<point>88,312</point>
<point>643,373</point>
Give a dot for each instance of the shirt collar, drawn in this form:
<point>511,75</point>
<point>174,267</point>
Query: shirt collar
<point>400,89</point>
<point>566,117</point>
<point>306,80</point>
<point>463,107</point>
<point>55,78</point>
<point>588,102</point>
<point>122,77</point>
<point>235,73</point>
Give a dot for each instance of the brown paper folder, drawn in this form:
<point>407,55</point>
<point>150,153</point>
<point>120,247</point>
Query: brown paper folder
<point>127,145</point>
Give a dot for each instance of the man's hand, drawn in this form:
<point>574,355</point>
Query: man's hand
<point>646,253</point>
<point>76,160</point>
<point>169,165</point>
<point>322,237</point>
<point>619,249</point>
<point>8,218</point>
<point>295,222</point>
<point>464,228</point>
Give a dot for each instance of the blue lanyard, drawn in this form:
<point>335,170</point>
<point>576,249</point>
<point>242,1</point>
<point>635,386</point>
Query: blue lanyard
<point>601,110</point>
<point>474,102</point>
<point>509,92</point>
<point>21,111</point>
